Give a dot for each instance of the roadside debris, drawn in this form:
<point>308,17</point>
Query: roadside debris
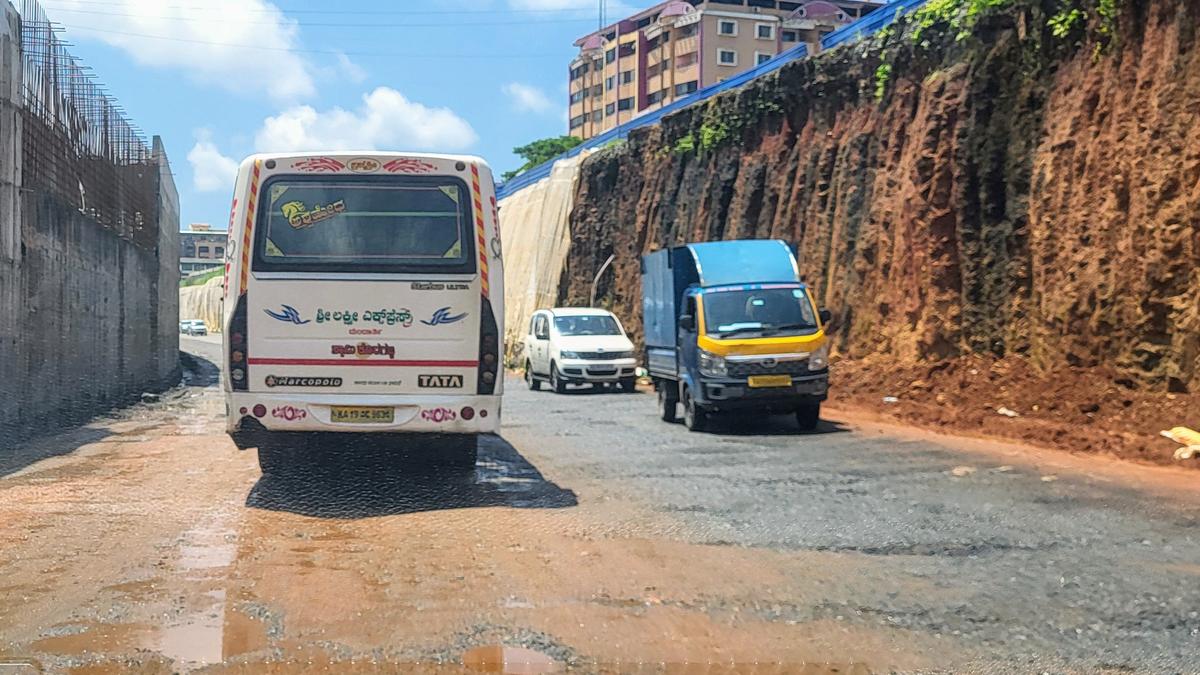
<point>960,471</point>
<point>890,399</point>
<point>1186,437</point>
<point>1007,412</point>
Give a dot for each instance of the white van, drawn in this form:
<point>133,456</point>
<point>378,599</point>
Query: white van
<point>363,293</point>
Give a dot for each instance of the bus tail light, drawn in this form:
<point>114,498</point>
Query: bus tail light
<point>489,350</point>
<point>239,343</point>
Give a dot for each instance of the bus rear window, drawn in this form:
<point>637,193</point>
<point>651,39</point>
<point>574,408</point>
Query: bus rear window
<point>359,224</point>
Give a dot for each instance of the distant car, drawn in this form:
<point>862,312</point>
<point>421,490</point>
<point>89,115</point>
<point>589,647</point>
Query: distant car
<point>193,327</point>
<point>578,346</point>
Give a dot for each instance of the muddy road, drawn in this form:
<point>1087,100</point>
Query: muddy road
<point>593,534</point>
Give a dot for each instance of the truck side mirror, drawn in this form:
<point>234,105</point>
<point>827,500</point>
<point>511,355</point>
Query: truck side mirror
<point>826,316</point>
<point>687,322</point>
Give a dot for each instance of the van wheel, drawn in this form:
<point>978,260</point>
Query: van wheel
<point>532,382</point>
<point>556,382</point>
<point>695,418</point>
<point>808,416</point>
<point>668,402</point>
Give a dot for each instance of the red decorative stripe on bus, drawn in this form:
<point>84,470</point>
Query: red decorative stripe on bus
<point>251,204</point>
<point>362,362</point>
<point>477,199</point>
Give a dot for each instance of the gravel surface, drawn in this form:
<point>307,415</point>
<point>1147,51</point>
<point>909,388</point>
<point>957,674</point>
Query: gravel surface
<point>593,534</point>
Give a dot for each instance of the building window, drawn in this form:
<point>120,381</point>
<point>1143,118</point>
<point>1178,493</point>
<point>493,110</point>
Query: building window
<point>578,96</point>
<point>628,49</point>
<point>727,27</point>
<point>202,251</point>
<point>610,55</point>
<point>687,31</point>
<point>686,88</point>
<point>727,57</point>
<point>789,36</point>
<point>610,82</point>
<point>686,60</point>
<point>656,97</point>
<point>579,71</point>
<point>764,31</point>
<point>625,104</point>
<point>219,252</point>
<point>627,77</point>
<point>597,90</point>
<point>597,115</point>
<point>577,122</point>
<point>761,58</point>
<point>610,109</point>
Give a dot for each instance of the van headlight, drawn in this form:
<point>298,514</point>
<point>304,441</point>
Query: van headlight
<point>819,360</point>
<point>712,365</point>
<point>568,355</point>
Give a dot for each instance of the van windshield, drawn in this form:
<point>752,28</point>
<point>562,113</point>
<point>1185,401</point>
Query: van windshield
<point>409,223</point>
<point>758,312</point>
<point>587,324</point>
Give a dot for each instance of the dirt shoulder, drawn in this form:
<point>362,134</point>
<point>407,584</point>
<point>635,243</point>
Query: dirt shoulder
<point>1084,411</point>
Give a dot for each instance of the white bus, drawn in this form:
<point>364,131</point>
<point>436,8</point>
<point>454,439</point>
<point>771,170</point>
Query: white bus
<point>363,293</point>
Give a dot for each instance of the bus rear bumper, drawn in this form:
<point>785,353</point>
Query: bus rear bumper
<point>362,414</point>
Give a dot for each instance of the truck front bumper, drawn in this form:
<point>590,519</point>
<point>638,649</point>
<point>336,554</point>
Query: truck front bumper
<point>736,394</point>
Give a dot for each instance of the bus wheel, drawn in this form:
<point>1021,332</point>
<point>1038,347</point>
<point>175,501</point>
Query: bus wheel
<point>271,458</point>
<point>556,382</point>
<point>532,382</point>
<point>668,402</point>
<point>462,451</point>
<point>695,418</point>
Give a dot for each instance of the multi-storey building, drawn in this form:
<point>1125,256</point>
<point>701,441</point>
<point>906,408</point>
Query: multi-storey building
<point>666,52</point>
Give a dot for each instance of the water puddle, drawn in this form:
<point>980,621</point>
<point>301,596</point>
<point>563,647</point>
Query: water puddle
<point>509,660</point>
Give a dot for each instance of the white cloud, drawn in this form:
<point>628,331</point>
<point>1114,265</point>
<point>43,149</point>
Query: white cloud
<point>527,98</point>
<point>239,45</point>
<point>385,120</point>
<point>211,170</point>
<point>351,70</point>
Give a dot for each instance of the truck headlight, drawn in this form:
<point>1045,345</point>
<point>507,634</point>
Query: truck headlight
<point>712,364</point>
<point>569,355</point>
<point>819,360</point>
<point>623,355</point>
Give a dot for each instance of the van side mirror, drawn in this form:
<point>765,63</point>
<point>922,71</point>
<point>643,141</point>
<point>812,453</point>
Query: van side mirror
<point>687,322</point>
<point>826,316</point>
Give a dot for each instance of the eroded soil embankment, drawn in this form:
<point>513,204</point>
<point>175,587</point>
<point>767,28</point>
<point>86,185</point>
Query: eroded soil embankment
<point>1013,196</point>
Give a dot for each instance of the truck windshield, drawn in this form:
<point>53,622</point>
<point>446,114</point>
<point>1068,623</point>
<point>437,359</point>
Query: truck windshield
<point>769,311</point>
<point>592,324</point>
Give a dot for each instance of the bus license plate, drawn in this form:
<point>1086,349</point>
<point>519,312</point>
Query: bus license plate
<point>362,415</point>
<point>759,381</point>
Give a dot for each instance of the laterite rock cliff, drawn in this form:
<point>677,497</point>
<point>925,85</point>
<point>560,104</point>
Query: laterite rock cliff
<point>986,190</point>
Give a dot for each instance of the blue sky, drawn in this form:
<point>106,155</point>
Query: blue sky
<point>220,79</point>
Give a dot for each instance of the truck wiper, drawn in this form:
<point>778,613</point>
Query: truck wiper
<point>789,326</point>
<point>739,331</point>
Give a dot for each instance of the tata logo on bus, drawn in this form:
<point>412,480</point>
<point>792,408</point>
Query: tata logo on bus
<point>363,165</point>
<point>440,381</point>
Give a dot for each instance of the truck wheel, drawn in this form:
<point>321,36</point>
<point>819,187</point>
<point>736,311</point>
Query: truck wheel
<point>556,382</point>
<point>695,418</point>
<point>533,383</point>
<point>668,402</point>
<point>629,385</point>
<point>808,416</point>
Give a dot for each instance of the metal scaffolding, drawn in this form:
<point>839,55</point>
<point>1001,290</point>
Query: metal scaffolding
<point>78,142</point>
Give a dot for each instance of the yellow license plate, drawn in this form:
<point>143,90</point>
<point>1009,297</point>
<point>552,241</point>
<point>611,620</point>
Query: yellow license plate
<point>362,415</point>
<point>770,381</point>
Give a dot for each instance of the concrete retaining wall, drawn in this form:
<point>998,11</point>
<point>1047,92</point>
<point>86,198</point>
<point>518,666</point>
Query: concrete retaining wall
<point>88,319</point>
